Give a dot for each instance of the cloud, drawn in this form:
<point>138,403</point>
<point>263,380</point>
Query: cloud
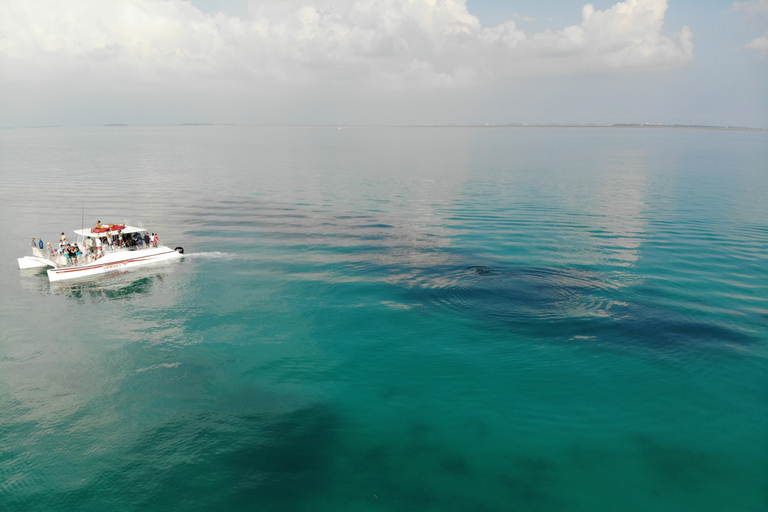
<point>756,6</point>
<point>380,44</point>
<point>758,11</point>
<point>629,35</point>
<point>759,43</point>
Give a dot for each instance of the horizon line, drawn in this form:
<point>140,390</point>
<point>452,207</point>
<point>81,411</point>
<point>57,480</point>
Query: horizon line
<point>441,125</point>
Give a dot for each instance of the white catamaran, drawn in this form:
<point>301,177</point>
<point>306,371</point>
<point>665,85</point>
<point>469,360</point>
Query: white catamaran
<point>104,249</point>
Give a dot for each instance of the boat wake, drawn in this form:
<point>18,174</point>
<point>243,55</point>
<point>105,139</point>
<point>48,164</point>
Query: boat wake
<point>211,255</point>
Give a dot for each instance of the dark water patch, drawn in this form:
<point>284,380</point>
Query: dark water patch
<point>570,303</point>
<point>530,484</point>
<point>209,462</point>
<point>646,325</point>
<point>510,294</point>
<point>417,470</point>
<point>399,475</point>
<point>456,464</point>
<point>481,270</point>
<point>292,463</point>
<point>420,430</point>
<point>676,466</point>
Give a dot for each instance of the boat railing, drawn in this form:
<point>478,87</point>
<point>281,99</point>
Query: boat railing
<point>90,255</point>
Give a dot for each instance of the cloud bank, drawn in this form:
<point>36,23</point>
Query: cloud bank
<point>377,44</point>
<point>755,6</point>
<point>755,9</point>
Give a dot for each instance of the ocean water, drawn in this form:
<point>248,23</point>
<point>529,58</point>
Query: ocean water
<point>390,319</point>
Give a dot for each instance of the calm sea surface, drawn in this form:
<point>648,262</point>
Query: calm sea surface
<point>390,319</point>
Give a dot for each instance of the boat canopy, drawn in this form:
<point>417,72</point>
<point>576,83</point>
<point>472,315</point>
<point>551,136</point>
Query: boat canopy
<point>88,232</point>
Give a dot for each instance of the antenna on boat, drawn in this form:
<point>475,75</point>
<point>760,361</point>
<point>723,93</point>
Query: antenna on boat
<point>82,219</point>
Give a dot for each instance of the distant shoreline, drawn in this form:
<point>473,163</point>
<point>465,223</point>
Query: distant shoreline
<point>511,125</point>
<point>617,125</point>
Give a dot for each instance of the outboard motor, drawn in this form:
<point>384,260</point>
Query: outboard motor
<point>179,250</point>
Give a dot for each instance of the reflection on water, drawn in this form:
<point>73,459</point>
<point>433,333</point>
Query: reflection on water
<point>620,207</point>
<point>115,287</point>
<point>34,280</point>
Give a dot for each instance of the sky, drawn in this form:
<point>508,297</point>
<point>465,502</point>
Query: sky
<point>390,62</point>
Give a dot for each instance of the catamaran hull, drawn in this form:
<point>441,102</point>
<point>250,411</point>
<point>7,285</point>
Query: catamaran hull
<point>28,262</point>
<point>111,263</point>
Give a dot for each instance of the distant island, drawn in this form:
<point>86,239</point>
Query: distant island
<point>614,125</point>
<point>691,126</point>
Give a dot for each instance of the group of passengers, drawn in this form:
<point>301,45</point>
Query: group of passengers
<point>93,247</point>
<point>69,251</point>
<point>132,241</point>
<point>74,253</point>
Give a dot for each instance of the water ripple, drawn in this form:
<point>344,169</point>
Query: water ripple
<point>512,293</point>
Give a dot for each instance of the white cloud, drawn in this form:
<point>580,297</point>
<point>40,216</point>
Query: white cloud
<point>759,43</point>
<point>628,35</point>
<point>755,6</point>
<point>384,44</point>
<point>757,11</point>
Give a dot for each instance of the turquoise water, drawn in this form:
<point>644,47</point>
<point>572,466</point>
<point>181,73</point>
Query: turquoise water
<point>390,319</point>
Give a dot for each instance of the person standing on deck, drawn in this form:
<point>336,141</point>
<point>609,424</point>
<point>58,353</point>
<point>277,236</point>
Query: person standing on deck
<point>87,250</point>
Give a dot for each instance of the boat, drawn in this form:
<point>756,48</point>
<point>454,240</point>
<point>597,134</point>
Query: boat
<point>104,259</point>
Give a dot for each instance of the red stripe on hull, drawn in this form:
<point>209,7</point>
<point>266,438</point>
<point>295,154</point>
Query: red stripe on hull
<point>121,262</point>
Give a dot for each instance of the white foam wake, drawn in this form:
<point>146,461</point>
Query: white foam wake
<point>210,255</point>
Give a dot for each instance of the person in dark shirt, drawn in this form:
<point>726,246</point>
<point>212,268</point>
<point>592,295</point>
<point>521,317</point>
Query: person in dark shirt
<point>72,252</point>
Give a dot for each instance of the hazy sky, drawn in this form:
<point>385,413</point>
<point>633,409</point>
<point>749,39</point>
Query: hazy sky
<point>77,62</point>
